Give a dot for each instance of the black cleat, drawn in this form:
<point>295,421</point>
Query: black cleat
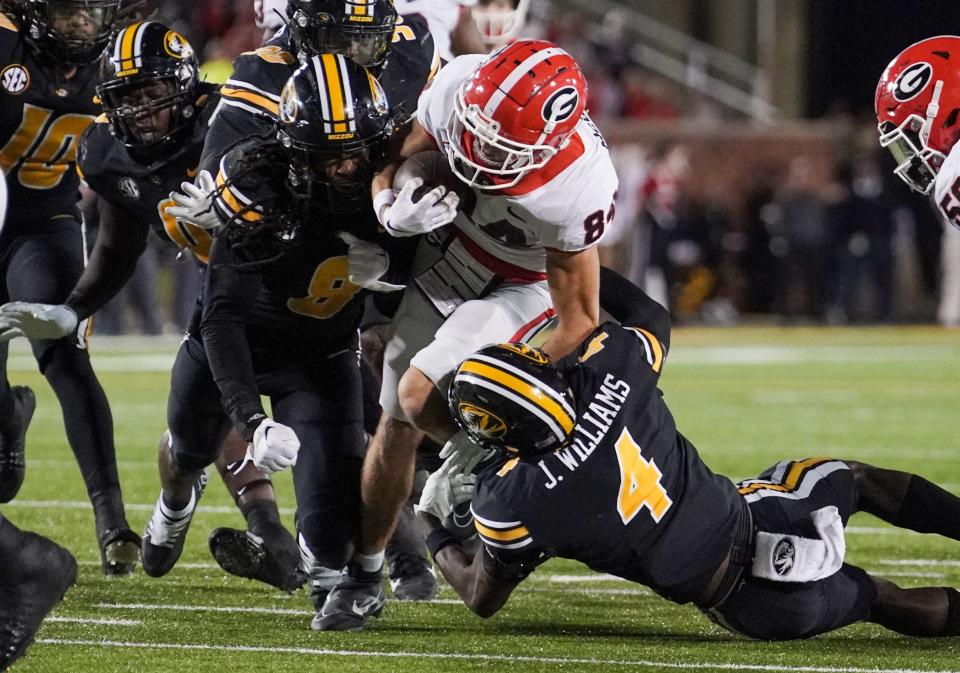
<point>119,552</point>
<point>412,578</point>
<point>164,537</point>
<point>12,462</point>
<point>272,559</point>
<point>41,574</point>
<point>348,606</point>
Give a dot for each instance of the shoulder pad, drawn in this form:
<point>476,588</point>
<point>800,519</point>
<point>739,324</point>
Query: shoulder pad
<point>95,147</point>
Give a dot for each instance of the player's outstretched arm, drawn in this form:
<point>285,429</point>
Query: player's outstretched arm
<point>574,282</point>
<point>632,307</point>
<point>480,591</point>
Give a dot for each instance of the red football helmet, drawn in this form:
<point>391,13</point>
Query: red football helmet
<point>917,105</point>
<point>517,110</point>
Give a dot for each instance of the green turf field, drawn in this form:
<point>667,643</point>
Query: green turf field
<point>745,397</point>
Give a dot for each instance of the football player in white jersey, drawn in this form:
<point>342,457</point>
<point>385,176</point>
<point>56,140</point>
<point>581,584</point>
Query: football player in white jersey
<point>451,24</point>
<point>500,21</point>
<point>918,115</point>
<point>521,248</point>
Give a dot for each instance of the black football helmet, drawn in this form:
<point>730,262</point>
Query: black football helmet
<point>333,116</point>
<point>510,396</point>
<point>148,68</point>
<point>73,32</point>
<point>361,30</point>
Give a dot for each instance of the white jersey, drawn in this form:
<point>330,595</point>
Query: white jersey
<point>946,189</point>
<point>566,205</point>
<point>442,17</point>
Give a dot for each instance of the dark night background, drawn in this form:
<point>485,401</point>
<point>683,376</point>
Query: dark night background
<point>852,41</point>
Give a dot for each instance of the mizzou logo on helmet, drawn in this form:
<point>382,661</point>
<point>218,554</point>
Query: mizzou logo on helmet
<point>526,351</point>
<point>481,421</point>
<point>175,45</point>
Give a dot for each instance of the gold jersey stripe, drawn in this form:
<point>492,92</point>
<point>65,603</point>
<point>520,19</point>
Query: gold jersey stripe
<point>517,385</point>
<point>792,479</point>
<point>233,203</point>
<point>501,535</point>
<point>261,102</point>
<point>655,346</point>
<point>6,22</point>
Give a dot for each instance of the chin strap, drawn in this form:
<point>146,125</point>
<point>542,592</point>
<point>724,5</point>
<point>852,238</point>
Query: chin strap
<point>933,109</point>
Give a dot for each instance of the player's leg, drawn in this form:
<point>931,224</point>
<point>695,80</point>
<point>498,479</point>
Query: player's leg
<point>44,269</point>
<point>35,573</point>
<point>906,500</point>
<point>411,575</point>
<point>198,427</point>
<point>17,404</point>
<point>266,551</point>
<point>924,611</point>
<point>329,423</point>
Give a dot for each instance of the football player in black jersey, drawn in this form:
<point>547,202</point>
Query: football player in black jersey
<point>590,466</point>
<point>48,50</point>
<point>149,139</point>
<point>283,298</point>
<point>401,53</point>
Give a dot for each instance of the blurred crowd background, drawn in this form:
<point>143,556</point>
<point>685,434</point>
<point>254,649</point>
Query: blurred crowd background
<point>752,187</point>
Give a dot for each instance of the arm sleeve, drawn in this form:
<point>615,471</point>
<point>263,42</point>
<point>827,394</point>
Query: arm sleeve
<point>121,240</point>
<point>228,291</point>
<point>632,307</point>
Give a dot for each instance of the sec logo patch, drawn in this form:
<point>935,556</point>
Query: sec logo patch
<point>15,79</point>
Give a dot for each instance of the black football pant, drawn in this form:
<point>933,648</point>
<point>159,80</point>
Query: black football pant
<point>322,401</point>
<point>42,265</point>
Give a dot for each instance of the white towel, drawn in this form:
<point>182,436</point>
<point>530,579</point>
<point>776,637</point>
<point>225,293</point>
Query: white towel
<point>791,558</point>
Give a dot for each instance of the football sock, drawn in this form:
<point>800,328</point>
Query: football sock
<point>952,626</point>
<point>369,563</point>
<point>173,510</point>
<point>8,409</point>
<point>108,510</point>
<point>927,508</point>
<point>261,514</point>
<point>86,415</point>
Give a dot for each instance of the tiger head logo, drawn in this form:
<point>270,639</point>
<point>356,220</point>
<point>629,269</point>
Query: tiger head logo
<point>175,45</point>
<point>480,421</point>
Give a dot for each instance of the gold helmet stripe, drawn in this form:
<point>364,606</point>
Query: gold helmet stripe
<point>518,386</point>
<point>335,92</point>
<point>126,56</point>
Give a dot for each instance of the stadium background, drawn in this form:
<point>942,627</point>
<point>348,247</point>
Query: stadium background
<point>738,128</point>
<point>742,132</point>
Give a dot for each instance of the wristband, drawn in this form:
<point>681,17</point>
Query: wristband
<point>383,199</point>
<point>438,539</point>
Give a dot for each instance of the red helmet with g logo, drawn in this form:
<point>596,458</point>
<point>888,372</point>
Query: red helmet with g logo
<point>517,110</point>
<point>917,105</point>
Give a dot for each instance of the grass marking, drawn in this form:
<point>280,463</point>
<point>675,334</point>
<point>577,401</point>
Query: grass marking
<point>90,620</point>
<point>657,665</point>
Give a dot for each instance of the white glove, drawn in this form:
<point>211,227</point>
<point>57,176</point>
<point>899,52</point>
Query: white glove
<point>274,447</point>
<point>444,490</point>
<point>462,453</point>
<point>195,203</point>
<point>368,261</point>
<point>36,321</point>
<point>432,211</point>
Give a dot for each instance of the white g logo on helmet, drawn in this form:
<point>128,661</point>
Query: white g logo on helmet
<point>912,81</point>
<point>561,105</point>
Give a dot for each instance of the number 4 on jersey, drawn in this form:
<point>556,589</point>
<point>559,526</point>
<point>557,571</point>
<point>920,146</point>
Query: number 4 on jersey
<point>639,482</point>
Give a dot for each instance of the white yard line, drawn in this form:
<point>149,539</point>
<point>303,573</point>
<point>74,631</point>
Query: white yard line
<point>657,665</point>
<point>132,507</point>
<point>90,620</point>
<point>944,563</point>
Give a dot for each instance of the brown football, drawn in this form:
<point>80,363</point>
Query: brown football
<point>432,166</point>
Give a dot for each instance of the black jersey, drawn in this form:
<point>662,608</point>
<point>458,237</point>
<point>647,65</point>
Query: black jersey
<point>251,96</point>
<point>629,496</point>
<point>42,116</point>
<point>141,190</point>
<point>277,292</point>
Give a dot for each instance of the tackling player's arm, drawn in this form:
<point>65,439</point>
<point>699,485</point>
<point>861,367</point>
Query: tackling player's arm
<point>466,38</point>
<point>632,307</point>
<point>417,139</point>
<point>228,292</point>
<point>481,590</point>
<point>574,281</point>
<point>121,239</point>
